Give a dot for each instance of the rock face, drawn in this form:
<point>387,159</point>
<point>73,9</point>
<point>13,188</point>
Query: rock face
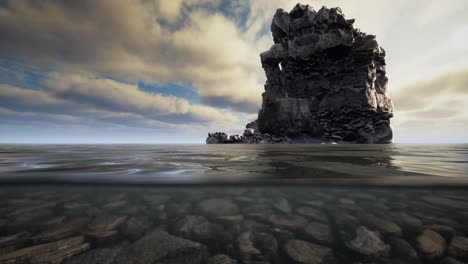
<point>325,82</point>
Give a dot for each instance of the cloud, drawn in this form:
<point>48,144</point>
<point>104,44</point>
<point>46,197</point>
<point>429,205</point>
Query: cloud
<point>107,99</point>
<point>99,50</point>
<point>433,110</point>
<point>449,86</point>
<point>128,42</point>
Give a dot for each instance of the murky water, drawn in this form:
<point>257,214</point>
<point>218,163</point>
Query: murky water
<point>233,204</point>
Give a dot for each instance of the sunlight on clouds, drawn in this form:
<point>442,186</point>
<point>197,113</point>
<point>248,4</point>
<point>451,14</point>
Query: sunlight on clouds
<point>79,95</point>
<point>99,50</point>
<point>169,10</point>
<point>433,110</point>
<point>459,38</point>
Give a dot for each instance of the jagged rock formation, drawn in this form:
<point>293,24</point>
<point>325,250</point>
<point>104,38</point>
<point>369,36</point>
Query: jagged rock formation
<point>325,81</point>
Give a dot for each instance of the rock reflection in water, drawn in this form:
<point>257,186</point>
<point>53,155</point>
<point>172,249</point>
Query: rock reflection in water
<point>248,224</point>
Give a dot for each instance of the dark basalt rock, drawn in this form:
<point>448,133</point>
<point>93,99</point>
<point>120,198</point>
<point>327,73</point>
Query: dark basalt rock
<point>326,82</point>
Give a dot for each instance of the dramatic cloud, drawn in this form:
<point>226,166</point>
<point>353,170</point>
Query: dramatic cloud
<point>106,99</point>
<point>124,40</point>
<point>84,60</point>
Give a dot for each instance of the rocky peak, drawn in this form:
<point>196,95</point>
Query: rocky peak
<point>325,80</point>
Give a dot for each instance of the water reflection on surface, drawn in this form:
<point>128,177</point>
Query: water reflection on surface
<point>412,164</point>
<point>91,224</point>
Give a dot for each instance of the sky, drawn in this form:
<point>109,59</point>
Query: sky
<point>157,71</point>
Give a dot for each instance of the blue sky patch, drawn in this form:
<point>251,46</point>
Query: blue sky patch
<point>20,74</point>
<point>171,89</point>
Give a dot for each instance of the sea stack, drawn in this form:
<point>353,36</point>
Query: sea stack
<point>325,83</point>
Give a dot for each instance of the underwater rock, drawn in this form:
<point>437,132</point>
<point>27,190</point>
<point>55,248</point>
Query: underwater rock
<point>53,222</point>
<point>96,256</point>
<point>326,82</point>
<point>258,211</point>
<point>409,223</point>
<point>177,209</point>
<point>303,252</point>
<point>53,252</point>
<point>221,259</point>
<point>160,247</point>
<point>257,246</point>
<point>135,227</point>
<point>443,201</point>
<point>156,200</point>
<point>294,222</point>
<point>75,208</point>
<point>102,238</point>
<point>382,225</point>
<point>319,232</point>
<point>116,205</point>
<point>446,231</point>
<point>449,260</point>
<point>246,248</point>
<point>312,213</point>
<point>282,205</point>
<point>196,228</point>
<point>67,229</point>
<point>458,248</point>
<point>430,245</point>
<point>106,222</point>
<point>218,207</point>
<point>368,244</point>
<point>31,209</point>
<point>403,250</point>
<point>267,244</point>
<point>12,242</point>
<point>230,219</point>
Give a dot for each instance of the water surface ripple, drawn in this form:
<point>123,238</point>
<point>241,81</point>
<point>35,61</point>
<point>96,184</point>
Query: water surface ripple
<point>335,164</point>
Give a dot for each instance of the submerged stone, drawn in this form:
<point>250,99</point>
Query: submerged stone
<point>312,213</point>
<point>257,246</point>
<point>218,207</point>
<point>106,222</point>
<point>67,229</point>
<point>135,227</point>
<point>294,222</point>
<point>369,244</point>
<point>303,252</point>
<point>458,248</point>
<point>96,256</point>
<point>221,259</point>
<point>12,242</point>
<point>403,250</point>
<point>160,247</point>
<point>197,228</point>
<point>53,252</point>
<point>430,245</point>
<point>319,232</point>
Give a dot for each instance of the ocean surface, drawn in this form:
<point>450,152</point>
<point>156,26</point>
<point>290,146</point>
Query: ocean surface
<point>193,164</point>
<point>226,204</point>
